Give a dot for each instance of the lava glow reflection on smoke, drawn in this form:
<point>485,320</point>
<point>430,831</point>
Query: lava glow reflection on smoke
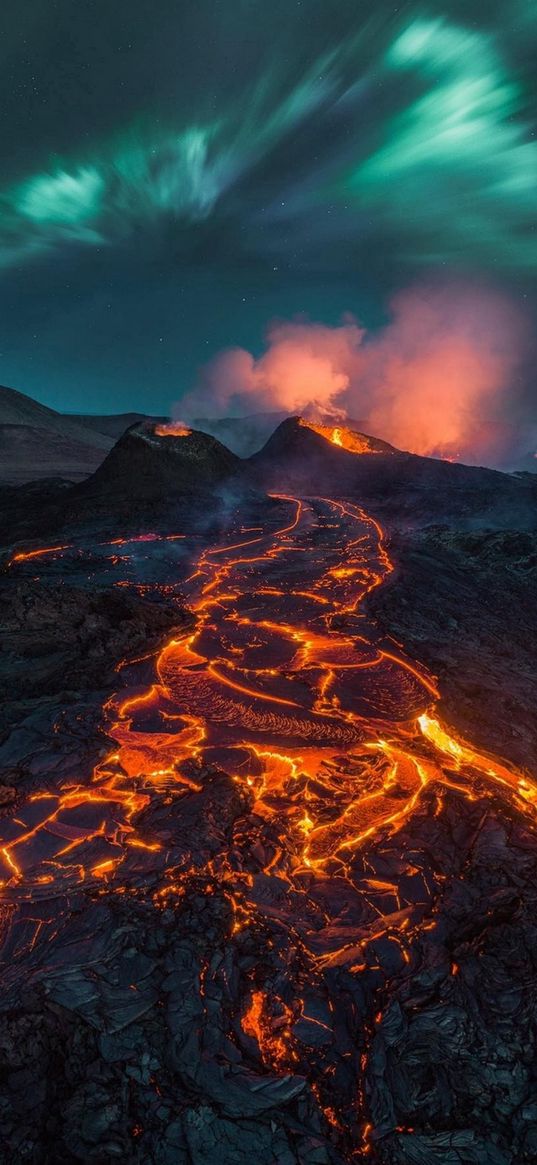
<point>436,380</point>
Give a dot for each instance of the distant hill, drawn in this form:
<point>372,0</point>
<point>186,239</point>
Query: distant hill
<point>18,409</point>
<point>243,435</point>
<point>37,442</point>
<point>113,425</point>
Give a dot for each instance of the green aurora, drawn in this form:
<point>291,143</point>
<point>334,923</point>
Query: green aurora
<point>177,176</point>
<point>431,141</point>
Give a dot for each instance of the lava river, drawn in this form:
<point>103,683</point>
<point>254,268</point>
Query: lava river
<point>328,734</point>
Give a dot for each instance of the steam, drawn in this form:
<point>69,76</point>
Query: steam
<point>437,380</point>
<point>306,366</point>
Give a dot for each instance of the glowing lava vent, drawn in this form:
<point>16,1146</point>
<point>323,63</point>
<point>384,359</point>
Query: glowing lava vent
<point>346,438</point>
<point>172,429</point>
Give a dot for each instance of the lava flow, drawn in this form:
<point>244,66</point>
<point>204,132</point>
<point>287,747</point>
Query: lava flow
<point>328,734</point>
<point>344,438</point>
<point>283,684</point>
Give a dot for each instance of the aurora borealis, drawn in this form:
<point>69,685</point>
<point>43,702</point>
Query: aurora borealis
<point>176,177</point>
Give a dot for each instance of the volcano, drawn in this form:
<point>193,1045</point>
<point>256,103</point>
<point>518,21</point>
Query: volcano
<point>160,461</point>
<point>297,438</point>
<point>403,487</point>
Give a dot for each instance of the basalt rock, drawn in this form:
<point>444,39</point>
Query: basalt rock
<point>186,978</point>
<point>464,603</point>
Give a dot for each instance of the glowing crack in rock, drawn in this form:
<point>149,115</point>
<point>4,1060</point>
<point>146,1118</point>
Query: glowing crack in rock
<point>328,730</point>
<point>277,674</point>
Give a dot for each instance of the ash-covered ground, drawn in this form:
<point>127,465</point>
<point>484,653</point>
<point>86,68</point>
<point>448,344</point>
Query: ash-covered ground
<point>268,814</point>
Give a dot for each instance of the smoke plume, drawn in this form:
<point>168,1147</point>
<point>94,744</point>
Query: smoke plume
<point>439,379</point>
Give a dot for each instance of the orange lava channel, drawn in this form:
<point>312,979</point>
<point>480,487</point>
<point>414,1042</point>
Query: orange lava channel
<point>283,683</point>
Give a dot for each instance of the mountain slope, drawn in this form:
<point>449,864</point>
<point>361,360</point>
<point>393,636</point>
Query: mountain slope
<point>18,409</point>
<point>37,442</point>
<point>403,488</point>
<point>147,464</point>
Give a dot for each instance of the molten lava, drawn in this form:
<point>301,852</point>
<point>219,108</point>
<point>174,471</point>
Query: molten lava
<point>327,730</point>
<point>25,555</point>
<point>172,429</point>
<point>277,675</point>
<point>345,438</point>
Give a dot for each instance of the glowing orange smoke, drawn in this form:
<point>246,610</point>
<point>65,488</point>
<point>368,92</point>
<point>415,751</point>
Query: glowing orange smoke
<point>436,380</point>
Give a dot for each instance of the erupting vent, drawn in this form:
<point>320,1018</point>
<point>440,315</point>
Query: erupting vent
<point>172,429</point>
<point>345,438</point>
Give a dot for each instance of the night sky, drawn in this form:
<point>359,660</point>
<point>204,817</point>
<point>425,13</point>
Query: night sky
<point>177,173</point>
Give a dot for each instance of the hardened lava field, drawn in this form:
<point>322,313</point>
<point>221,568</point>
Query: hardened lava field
<point>257,884</point>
